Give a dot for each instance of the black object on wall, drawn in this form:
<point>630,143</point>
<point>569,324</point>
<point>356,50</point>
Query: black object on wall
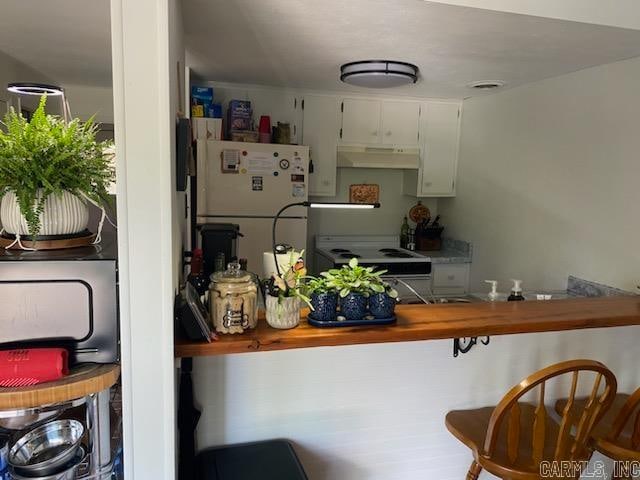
<point>183,152</point>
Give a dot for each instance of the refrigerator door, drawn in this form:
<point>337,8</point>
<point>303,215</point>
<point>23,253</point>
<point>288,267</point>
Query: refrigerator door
<point>256,237</point>
<point>238,179</point>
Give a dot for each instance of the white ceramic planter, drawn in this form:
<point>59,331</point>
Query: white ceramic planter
<point>63,215</point>
<point>285,314</point>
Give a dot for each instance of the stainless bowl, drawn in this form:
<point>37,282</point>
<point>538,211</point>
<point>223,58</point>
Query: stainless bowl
<point>44,450</point>
<point>21,422</point>
<point>66,472</point>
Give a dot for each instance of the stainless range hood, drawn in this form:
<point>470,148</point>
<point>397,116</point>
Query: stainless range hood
<point>360,156</point>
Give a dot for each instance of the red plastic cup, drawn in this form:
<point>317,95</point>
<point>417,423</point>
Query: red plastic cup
<point>265,124</point>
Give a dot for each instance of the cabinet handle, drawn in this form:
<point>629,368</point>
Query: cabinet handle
<point>388,134</point>
<point>428,184</point>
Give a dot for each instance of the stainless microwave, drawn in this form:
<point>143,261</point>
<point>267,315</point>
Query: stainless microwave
<point>62,298</point>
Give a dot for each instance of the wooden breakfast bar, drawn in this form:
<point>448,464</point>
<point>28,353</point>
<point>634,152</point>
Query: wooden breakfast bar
<point>431,322</point>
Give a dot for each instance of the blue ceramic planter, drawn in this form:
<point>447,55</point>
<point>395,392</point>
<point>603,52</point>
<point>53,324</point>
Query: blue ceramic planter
<point>324,306</point>
<point>353,306</point>
<point>381,305</point>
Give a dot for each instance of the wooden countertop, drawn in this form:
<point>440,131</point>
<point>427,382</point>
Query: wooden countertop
<point>82,380</point>
<point>430,322</point>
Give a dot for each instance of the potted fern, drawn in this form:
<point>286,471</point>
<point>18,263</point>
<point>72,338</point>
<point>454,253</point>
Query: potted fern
<point>50,171</point>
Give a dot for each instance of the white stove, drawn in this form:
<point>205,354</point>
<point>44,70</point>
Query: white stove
<point>382,251</point>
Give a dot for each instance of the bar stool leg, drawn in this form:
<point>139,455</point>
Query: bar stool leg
<point>474,471</point>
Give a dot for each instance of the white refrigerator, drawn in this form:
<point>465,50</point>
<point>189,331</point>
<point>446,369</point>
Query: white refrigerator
<point>247,184</point>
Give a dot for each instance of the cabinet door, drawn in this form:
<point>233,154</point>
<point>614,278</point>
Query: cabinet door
<point>440,150</point>
<point>360,121</point>
<point>321,124</point>
<point>450,278</point>
<point>400,123</point>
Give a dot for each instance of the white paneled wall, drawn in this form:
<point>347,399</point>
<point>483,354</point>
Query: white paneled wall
<point>376,412</point>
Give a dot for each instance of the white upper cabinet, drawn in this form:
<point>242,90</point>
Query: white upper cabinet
<point>280,106</point>
<point>321,125</point>
<point>437,176</point>
<point>380,122</point>
<point>400,123</point>
<point>360,121</point>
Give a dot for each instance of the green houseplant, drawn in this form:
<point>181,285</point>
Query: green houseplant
<point>323,297</point>
<point>355,284</point>
<point>49,171</point>
<point>285,293</point>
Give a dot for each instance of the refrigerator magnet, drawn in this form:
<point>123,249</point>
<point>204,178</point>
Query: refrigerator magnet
<point>297,164</point>
<point>296,177</point>
<point>256,184</point>
<point>230,161</point>
<point>298,190</point>
<point>284,164</point>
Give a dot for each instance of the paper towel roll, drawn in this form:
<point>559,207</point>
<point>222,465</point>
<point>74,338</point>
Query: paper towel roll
<point>284,262</point>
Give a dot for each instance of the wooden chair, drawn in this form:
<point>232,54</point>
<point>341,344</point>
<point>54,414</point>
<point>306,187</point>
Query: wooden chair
<point>617,435</point>
<point>512,439</point>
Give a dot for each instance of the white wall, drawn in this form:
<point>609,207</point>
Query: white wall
<point>12,70</point>
<point>622,13</point>
<point>85,101</point>
<point>548,180</point>
<point>376,412</point>
<point>383,221</point>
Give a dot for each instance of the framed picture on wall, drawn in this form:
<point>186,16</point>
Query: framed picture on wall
<point>364,193</point>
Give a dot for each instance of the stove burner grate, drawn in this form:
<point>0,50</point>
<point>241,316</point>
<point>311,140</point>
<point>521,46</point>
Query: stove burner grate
<point>389,250</point>
<point>398,255</point>
<point>339,250</point>
<point>350,255</point>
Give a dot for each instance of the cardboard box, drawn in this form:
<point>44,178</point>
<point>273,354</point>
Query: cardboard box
<point>239,116</point>
<point>201,101</point>
<point>207,128</point>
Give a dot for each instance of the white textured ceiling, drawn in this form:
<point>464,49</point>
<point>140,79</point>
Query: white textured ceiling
<point>66,40</point>
<point>302,43</point>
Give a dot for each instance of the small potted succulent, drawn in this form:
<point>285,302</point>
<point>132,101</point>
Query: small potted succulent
<point>50,171</point>
<point>284,294</point>
<point>355,284</point>
<point>383,304</point>
<point>323,298</point>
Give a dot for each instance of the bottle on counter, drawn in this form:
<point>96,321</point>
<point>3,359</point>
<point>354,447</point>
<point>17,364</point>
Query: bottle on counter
<point>411,240</point>
<point>516,292</point>
<point>493,294</point>
<point>197,277</point>
<point>404,233</point>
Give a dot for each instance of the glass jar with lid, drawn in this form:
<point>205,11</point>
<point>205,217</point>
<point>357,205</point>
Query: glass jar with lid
<point>233,300</point>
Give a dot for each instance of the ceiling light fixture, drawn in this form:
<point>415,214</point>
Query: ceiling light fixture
<point>486,84</point>
<point>40,89</point>
<point>378,73</point>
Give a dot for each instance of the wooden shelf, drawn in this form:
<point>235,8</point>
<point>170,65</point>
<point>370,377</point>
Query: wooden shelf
<point>82,380</point>
<point>430,322</point>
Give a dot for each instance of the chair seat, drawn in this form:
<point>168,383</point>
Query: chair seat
<point>621,448</point>
<point>470,427</point>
